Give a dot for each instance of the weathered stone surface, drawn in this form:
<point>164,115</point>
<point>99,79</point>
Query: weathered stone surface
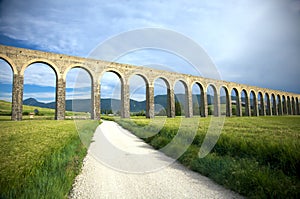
<point>19,59</point>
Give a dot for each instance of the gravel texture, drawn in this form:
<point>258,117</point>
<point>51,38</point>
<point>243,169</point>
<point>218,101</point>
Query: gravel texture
<point>111,169</point>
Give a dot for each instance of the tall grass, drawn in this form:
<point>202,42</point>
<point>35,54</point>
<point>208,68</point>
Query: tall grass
<point>40,159</point>
<point>258,157</point>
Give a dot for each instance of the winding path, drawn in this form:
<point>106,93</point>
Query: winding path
<point>113,169</point>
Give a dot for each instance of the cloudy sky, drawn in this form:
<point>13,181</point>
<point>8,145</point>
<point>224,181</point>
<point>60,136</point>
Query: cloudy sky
<point>249,41</point>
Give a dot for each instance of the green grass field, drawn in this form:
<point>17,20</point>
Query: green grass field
<point>44,113</point>
<point>40,158</point>
<point>258,157</point>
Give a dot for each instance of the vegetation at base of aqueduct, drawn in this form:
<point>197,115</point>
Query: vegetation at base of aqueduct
<point>41,158</point>
<point>257,157</point>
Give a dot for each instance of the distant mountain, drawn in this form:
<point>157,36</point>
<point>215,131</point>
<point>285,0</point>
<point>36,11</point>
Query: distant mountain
<point>84,105</point>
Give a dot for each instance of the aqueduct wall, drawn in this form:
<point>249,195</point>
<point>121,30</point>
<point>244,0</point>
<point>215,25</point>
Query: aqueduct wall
<point>277,102</point>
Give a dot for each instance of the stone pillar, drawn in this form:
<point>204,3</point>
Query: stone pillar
<point>269,106</point>
<point>171,103</point>
<point>95,101</point>
<point>60,99</point>
<point>262,106</point>
<point>293,107</point>
<point>255,108</point>
<point>275,106</point>
<point>247,106</point>
<point>228,106</point>
<point>125,101</point>
<point>217,111</point>
<point>204,105</point>
<point>280,111</point>
<point>285,107</point>
<point>17,97</point>
<point>188,103</point>
<point>149,101</point>
<point>297,106</point>
<point>238,106</point>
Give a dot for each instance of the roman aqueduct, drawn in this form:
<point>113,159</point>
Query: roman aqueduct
<point>265,101</point>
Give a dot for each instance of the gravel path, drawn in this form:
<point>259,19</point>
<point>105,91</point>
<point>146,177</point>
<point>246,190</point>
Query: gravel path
<point>113,168</point>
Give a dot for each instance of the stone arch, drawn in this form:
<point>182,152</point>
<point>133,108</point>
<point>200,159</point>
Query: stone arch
<point>93,93</point>
<point>289,107</point>
<point>273,105</point>
<point>284,105</point>
<point>253,103</point>
<point>227,101</point>
<point>215,102</point>
<point>124,93</point>
<point>293,106</point>
<point>91,73</point>
<point>279,105</point>
<point>237,110</point>
<point>297,106</point>
<point>261,104</point>
<point>115,71</point>
<point>59,107</point>
<point>186,97</point>
<point>10,63</point>
<point>245,102</point>
<point>170,104</point>
<point>203,102</point>
<point>43,61</point>
<point>267,104</point>
<point>149,95</point>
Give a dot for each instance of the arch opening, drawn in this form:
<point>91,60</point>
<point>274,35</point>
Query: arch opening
<point>289,107</point>
<point>40,81</point>
<point>273,105</point>
<point>198,100</point>
<point>284,106</point>
<point>235,102</point>
<point>180,96</point>
<point>267,104</point>
<point>224,102</point>
<point>78,93</point>
<point>111,98</point>
<point>137,95</point>
<point>212,100</point>
<point>161,96</point>
<point>279,105</point>
<point>261,104</point>
<point>245,103</point>
<point>6,87</point>
<point>253,104</point>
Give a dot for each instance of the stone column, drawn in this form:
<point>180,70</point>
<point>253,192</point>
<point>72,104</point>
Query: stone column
<point>280,111</point>
<point>171,103</point>
<point>95,101</point>
<point>17,97</point>
<point>255,108</point>
<point>247,106</point>
<point>238,106</point>
<point>204,106</point>
<point>275,106</point>
<point>217,104</point>
<point>297,106</point>
<point>262,106</point>
<point>150,101</point>
<point>125,101</point>
<point>188,103</point>
<point>60,99</point>
<point>228,106</point>
<point>285,106</point>
<point>269,106</point>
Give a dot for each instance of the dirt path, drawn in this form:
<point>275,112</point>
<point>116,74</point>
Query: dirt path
<point>120,165</point>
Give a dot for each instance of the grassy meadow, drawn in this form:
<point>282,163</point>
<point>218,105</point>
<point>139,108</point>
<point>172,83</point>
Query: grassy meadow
<point>41,158</point>
<point>44,113</point>
<point>258,157</point>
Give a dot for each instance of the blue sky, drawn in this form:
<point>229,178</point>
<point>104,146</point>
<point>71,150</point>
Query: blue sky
<point>251,42</point>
